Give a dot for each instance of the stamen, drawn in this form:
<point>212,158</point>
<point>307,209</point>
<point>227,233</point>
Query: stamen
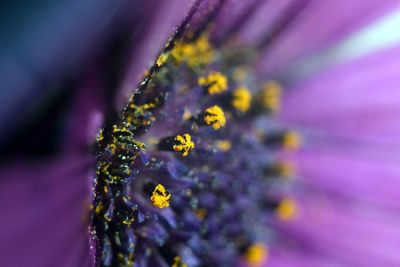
<point>256,254</point>
<point>160,197</point>
<point>178,262</point>
<point>270,96</point>
<point>181,143</point>
<point>224,145</point>
<point>292,140</point>
<point>286,169</point>
<point>185,144</point>
<point>241,99</point>
<point>215,82</point>
<point>195,54</point>
<point>201,213</point>
<point>287,209</point>
<point>215,117</point>
<point>162,59</point>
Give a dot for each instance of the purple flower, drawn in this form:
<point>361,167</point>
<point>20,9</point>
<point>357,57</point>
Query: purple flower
<point>190,162</point>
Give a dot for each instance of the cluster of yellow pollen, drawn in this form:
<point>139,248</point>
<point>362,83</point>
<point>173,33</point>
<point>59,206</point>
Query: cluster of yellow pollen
<point>197,53</point>
<point>292,140</point>
<point>287,209</point>
<point>215,82</point>
<point>240,74</point>
<point>270,96</point>
<point>162,59</point>
<point>256,254</point>
<point>185,144</point>
<point>178,262</point>
<point>201,213</point>
<point>286,169</point>
<point>241,99</point>
<point>160,197</point>
<point>224,145</point>
<point>215,117</point>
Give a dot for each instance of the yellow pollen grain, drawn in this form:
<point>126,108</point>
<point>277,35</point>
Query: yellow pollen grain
<point>215,82</point>
<point>185,144</point>
<point>287,209</point>
<point>186,115</point>
<point>241,99</point>
<point>201,214</point>
<point>195,54</point>
<point>162,59</point>
<point>292,140</point>
<point>178,262</point>
<point>160,197</point>
<point>286,169</point>
<point>271,96</point>
<point>240,74</point>
<point>256,254</point>
<point>224,145</point>
<point>215,117</point>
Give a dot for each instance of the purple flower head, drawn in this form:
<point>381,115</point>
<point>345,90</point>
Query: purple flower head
<point>214,155</point>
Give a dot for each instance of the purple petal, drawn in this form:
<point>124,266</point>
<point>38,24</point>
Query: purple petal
<point>44,213</point>
<point>317,26</point>
<point>148,41</point>
<point>87,113</point>
<point>340,174</point>
<point>346,230</point>
<point>357,99</point>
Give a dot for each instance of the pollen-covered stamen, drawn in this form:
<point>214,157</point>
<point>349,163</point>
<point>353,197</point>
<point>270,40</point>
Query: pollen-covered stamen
<point>289,140</point>
<point>256,254</point>
<point>292,140</point>
<point>162,59</point>
<point>241,99</point>
<point>180,143</point>
<point>223,145</point>
<point>183,144</point>
<point>195,54</point>
<point>215,82</point>
<point>160,197</point>
<point>178,262</point>
<point>270,96</point>
<point>215,117</point>
<point>280,169</point>
<point>287,209</point>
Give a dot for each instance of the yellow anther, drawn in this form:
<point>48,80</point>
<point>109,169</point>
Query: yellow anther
<point>287,209</point>
<point>99,208</point>
<point>256,254</point>
<point>215,82</point>
<point>195,54</point>
<point>178,262</point>
<point>162,59</point>
<point>239,74</point>
<point>215,117</point>
<point>224,145</point>
<point>241,99</point>
<point>201,213</point>
<point>160,197</point>
<point>185,144</point>
<point>271,96</point>
<point>292,140</point>
<point>186,115</point>
<point>100,136</point>
<point>286,169</point>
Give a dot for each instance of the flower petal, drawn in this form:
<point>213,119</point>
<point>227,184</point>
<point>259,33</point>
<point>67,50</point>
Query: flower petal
<point>358,100</point>
<point>345,230</point>
<point>44,213</point>
<point>148,41</point>
<point>316,27</point>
